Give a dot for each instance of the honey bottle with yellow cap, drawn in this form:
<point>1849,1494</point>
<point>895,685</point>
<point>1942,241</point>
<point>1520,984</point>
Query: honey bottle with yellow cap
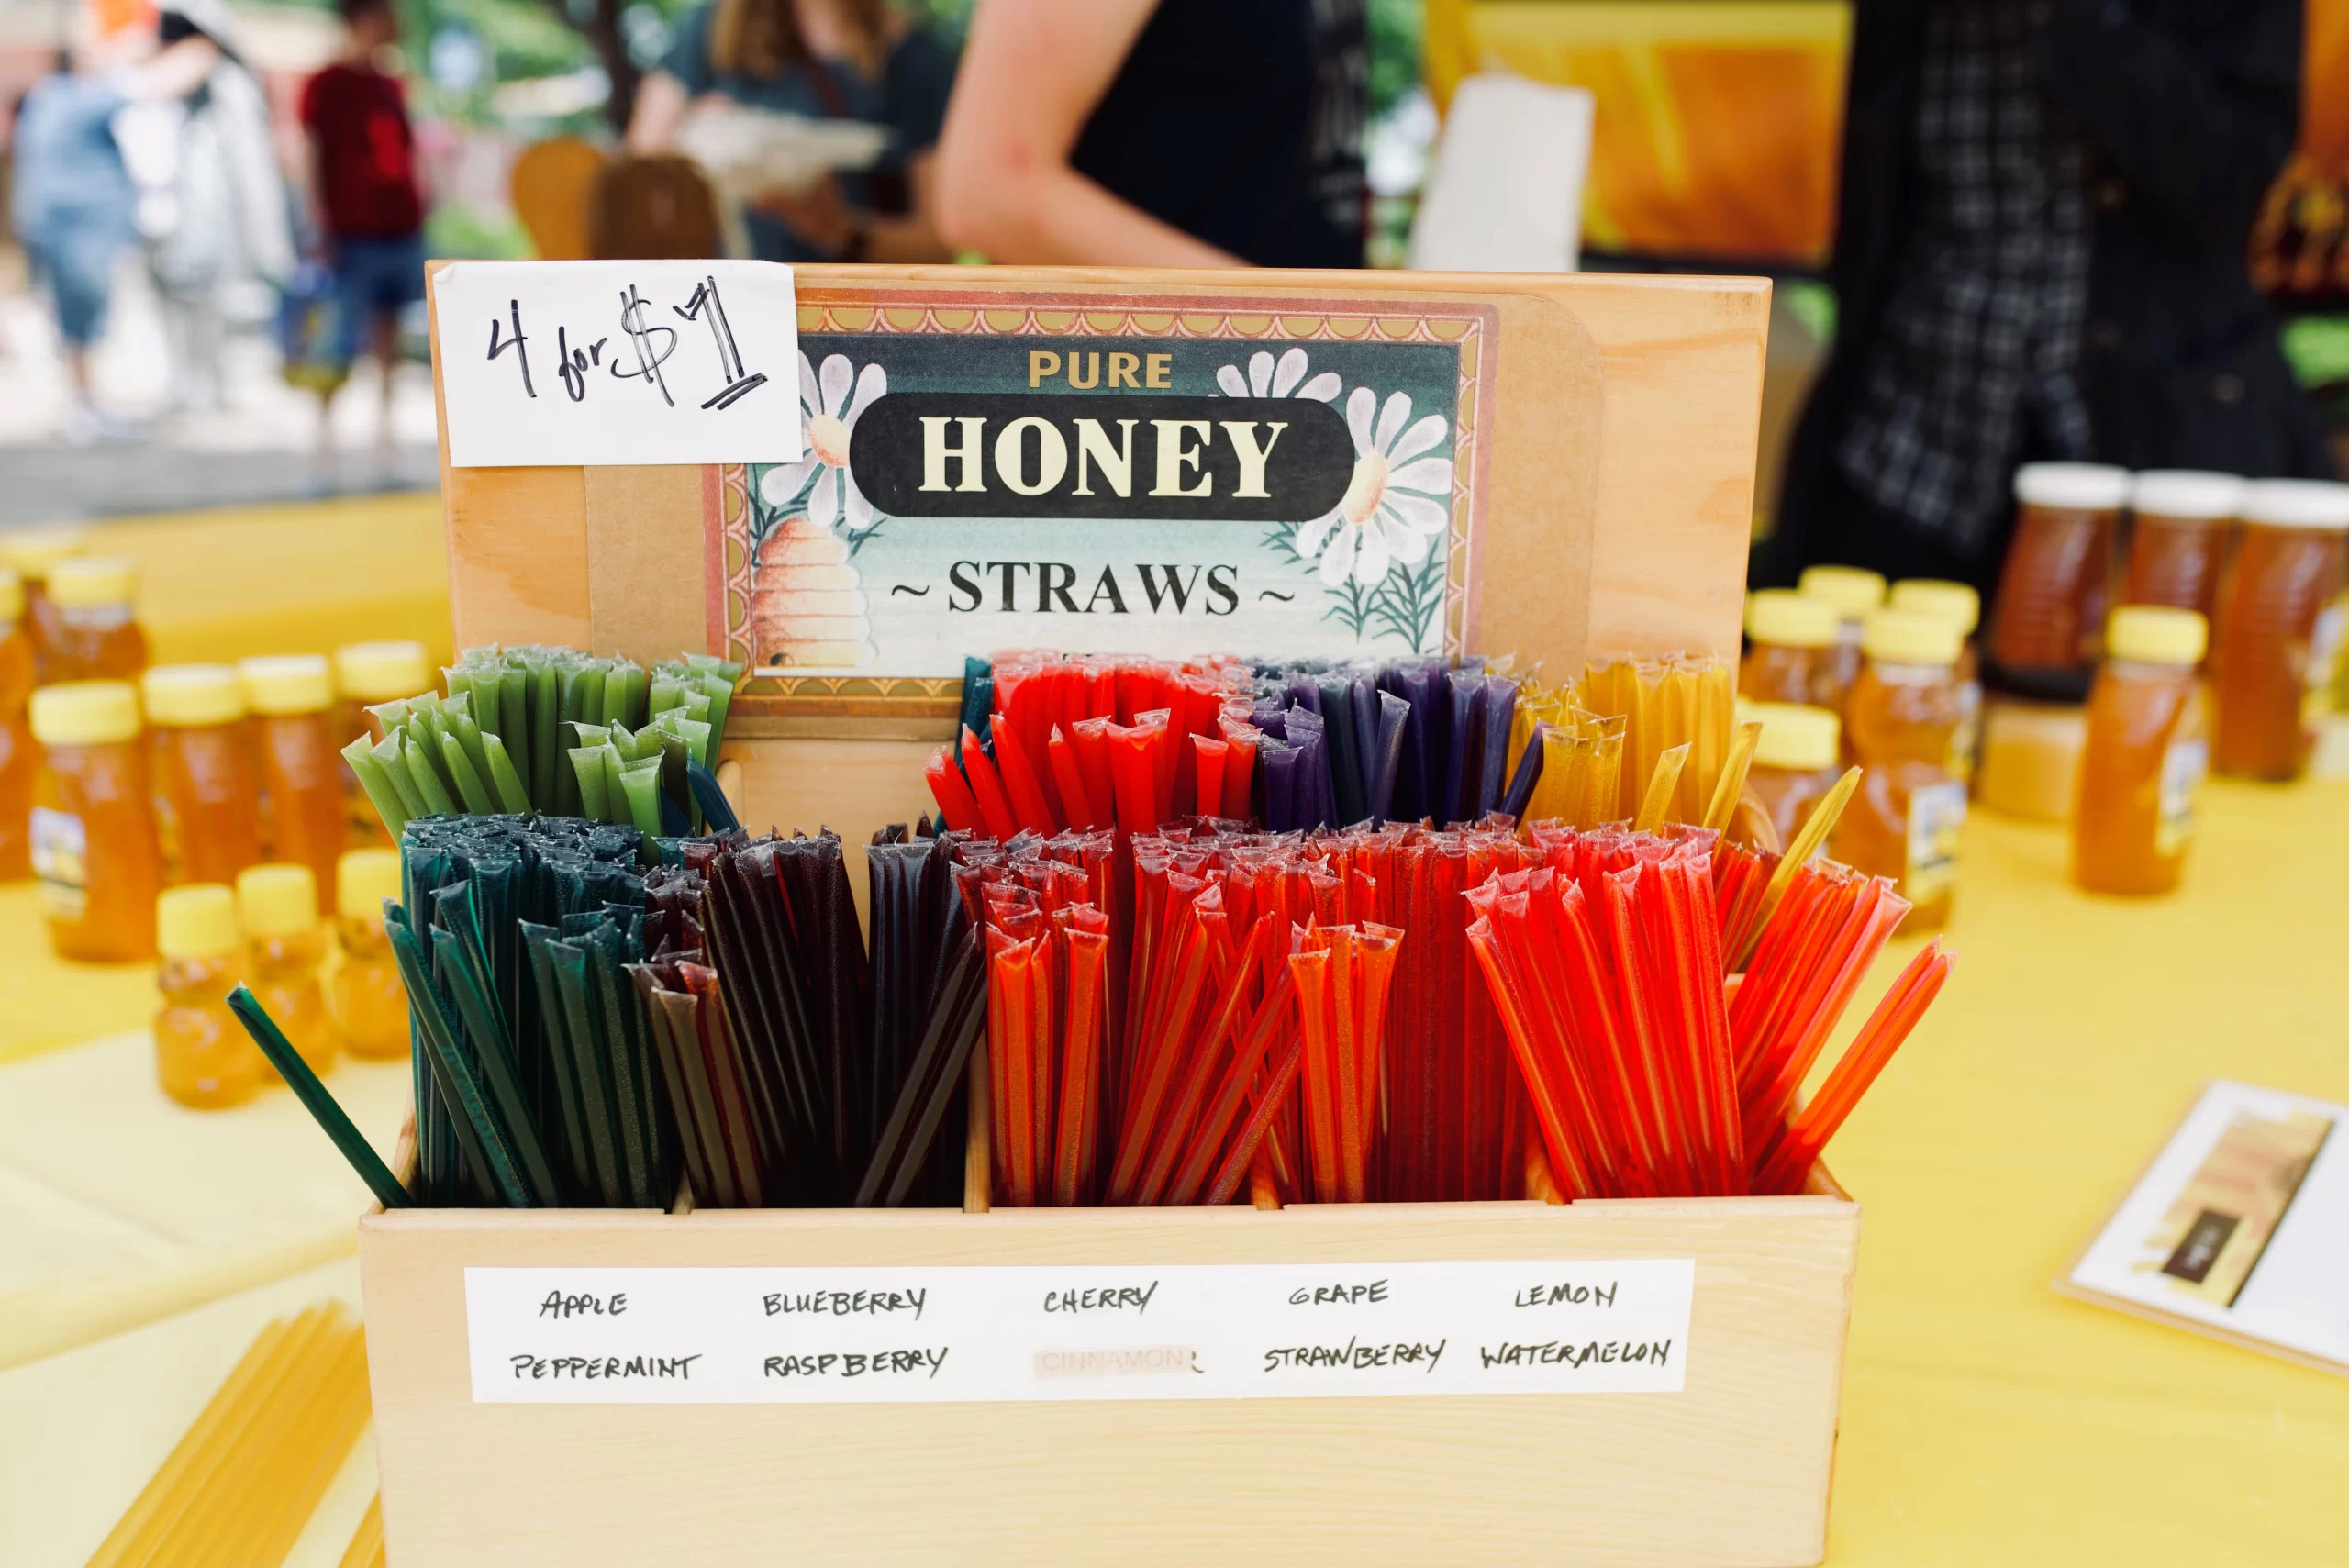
<point>277,905</point>
<point>370,1003</point>
<point>203,1057</point>
<point>32,554</point>
<point>1961,605</point>
<point>1900,724</point>
<point>208,785</point>
<point>93,828</point>
<point>291,699</point>
<point>1791,656</point>
<point>1795,763</point>
<point>98,636</point>
<point>2148,748</point>
<point>19,757</point>
<point>1856,594</point>
<point>366,673</point>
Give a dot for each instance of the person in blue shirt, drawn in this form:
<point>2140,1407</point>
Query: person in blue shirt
<point>73,201</point>
<point>854,59</point>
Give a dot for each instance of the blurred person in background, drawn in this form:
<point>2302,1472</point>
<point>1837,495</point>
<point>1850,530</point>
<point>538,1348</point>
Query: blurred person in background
<point>212,202</point>
<point>367,205</point>
<point>1171,133</point>
<point>72,199</point>
<point>847,59</point>
<point>2041,254</point>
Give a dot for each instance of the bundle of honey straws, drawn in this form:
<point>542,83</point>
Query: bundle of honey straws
<point>1189,933</point>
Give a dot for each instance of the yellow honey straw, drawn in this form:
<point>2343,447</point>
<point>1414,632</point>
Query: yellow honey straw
<point>1733,779</point>
<point>241,1484</point>
<point>1664,703</point>
<point>1806,842</point>
<point>1660,788</point>
<point>366,1547</point>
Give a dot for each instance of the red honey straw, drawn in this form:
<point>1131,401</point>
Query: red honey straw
<point>953,792</point>
<point>995,809</point>
<point>1069,778</point>
<point>1020,784</point>
<point>1798,1148</point>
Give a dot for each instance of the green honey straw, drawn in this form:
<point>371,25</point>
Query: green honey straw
<point>322,1105</point>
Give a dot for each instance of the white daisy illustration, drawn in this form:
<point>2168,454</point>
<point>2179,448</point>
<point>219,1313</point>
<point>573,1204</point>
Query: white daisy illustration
<point>831,401</point>
<point>1397,501</point>
<point>1267,378</point>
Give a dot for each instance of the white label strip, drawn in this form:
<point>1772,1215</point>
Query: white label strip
<point>555,363</point>
<point>654,1336</point>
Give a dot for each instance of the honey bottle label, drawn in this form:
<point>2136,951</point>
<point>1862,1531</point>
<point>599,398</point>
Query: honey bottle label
<point>2183,766</point>
<point>60,852</point>
<point>1936,818</point>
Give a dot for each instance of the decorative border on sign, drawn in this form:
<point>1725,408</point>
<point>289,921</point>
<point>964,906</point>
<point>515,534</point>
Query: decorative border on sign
<point>964,313</point>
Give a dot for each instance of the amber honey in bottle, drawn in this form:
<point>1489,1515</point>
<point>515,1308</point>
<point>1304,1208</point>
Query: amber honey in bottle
<point>32,554</point>
<point>292,699</point>
<point>207,787</point>
<point>365,674</point>
<point>2147,750</point>
<point>1856,594</point>
<point>2179,524</point>
<point>370,1003</point>
<point>19,755</point>
<point>2047,626</point>
<point>1791,651</point>
<point>204,1059</point>
<point>1961,605</point>
<point>277,905</point>
<point>93,830</point>
<point>2279,629</point>
<point>1901,724</point>
<point>98,637</point>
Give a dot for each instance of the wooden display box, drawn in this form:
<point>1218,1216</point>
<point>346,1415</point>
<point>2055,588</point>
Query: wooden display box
<point>1733,1470</point>
<point>1605,437</point>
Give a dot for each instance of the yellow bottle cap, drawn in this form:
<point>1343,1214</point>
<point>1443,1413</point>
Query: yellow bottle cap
<point>82,582</point>
<point>289,682</point>
<point>1905,637</point>
<point>363,880</point>
<point>1796,738</point>
<point>85,712</point>
<point>277,900</point>
<point>382,672</point>
<point>1955,601</point>
<point>12,595</point>
<point>1787,619</point>
<point>1850,589</point>
<point>187,697</point>
<point>2155,634</point>
<point>196,921</point>
<point>34,550</point>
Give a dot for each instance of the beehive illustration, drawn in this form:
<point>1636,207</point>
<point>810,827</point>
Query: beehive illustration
<point>808,606</point>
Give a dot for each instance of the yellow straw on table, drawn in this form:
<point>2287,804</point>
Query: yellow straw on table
<point>242,1482</point>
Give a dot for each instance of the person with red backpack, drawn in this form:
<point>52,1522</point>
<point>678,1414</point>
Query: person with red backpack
<point>364,190</point>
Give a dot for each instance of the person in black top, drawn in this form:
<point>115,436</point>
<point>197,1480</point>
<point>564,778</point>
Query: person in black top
<point>2045,213</point>
<point>1159,133</point>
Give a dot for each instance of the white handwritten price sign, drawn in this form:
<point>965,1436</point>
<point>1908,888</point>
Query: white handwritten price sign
<point>563,364</point>
<point>817,1335</point>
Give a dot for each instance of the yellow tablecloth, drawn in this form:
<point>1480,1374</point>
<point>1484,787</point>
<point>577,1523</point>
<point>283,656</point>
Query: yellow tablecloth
<point>1985,1417</point>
